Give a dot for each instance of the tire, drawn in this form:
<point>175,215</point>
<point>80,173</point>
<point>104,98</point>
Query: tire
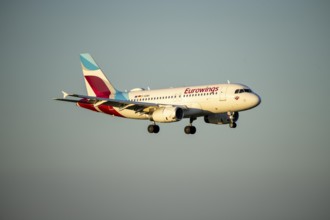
<point>233,125</point>
<point>192,130</point>
<point>156,129</point>
<point>151,129</point>
<point>187,129</point>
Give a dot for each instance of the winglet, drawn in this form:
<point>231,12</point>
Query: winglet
<point>65,94</point>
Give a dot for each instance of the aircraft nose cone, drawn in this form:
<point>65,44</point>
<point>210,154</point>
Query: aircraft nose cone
<point>256,100</point>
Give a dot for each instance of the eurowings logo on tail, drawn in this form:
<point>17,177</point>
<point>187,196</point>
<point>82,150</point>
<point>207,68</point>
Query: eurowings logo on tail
<point>217,103</point>
<point>96,82</point>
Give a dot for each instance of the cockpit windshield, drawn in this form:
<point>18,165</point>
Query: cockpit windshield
<point>243,90</point>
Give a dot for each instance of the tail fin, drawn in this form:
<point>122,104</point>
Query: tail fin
<point>96,82</point>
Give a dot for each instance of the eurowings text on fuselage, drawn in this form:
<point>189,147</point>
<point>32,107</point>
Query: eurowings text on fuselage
<point>217,103</point>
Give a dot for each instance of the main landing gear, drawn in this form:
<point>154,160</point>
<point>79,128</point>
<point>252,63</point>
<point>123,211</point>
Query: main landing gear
<point>153,128</point>
<point>190,129</point>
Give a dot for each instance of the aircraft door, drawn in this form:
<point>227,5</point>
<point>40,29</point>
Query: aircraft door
<point>222,93</point>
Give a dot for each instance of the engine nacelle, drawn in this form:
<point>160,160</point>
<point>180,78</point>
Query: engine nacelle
<point>219,119</point>
<point>167,114</point>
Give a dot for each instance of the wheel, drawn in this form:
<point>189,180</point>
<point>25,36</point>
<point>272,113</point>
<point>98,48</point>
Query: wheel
<point>233,125</point>
<point>156,129</point>
<point>192,130</point>
<point>151,129</point>
<point>187,129</point>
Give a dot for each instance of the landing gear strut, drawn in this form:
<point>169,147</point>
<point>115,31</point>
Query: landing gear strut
<point>190,129</point>
<point>232,123</point>
<point>153,128</point>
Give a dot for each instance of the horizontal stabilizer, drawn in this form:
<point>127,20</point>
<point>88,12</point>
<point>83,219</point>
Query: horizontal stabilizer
<point>66,100</point>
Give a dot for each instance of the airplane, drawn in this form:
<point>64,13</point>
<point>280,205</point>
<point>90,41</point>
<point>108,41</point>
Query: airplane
<point>217,103</point>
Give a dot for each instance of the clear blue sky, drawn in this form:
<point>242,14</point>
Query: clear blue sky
<point>58,161</point>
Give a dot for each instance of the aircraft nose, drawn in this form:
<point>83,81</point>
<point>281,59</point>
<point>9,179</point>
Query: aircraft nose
<point>256,100</point>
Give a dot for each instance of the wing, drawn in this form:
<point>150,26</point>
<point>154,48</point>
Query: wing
<point>121,104</point>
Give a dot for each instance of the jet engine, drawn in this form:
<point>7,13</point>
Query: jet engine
<point>221,118</point>
<point>167,114</point>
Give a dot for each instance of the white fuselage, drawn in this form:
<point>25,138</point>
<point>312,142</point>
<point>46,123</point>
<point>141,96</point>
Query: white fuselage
<point>198,100</point>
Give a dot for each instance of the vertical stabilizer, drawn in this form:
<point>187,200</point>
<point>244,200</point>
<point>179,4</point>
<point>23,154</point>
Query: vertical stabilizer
<point>96,82</point>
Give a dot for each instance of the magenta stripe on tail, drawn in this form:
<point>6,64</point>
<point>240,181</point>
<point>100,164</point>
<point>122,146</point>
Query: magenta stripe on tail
<point>99,87</point>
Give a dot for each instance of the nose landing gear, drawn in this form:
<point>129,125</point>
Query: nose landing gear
<point>232,119</point>
<point>232,125</point>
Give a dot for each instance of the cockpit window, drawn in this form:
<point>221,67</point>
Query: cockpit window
<point>239,91</point>
<point>243,90</point>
